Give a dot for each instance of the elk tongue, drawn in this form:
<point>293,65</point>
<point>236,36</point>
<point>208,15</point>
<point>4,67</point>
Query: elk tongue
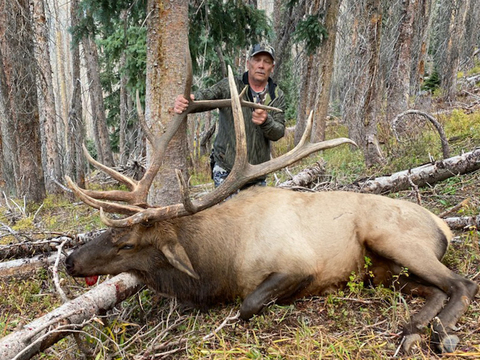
<point>91,280</point>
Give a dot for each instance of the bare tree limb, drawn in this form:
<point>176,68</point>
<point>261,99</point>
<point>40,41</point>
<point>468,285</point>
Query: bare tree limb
<point>438,126</point>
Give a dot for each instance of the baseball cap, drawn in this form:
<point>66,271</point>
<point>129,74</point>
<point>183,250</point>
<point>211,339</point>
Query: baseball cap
<point>259,48</point>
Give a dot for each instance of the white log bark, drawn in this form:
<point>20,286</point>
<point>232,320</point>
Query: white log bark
<point>463,222</point>
<point>73,315</point>
<point>423,175</point>
<point>22,267</point>
<point>306,176</point>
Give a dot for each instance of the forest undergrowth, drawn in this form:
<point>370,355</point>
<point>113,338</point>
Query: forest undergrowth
<point>355,323</point>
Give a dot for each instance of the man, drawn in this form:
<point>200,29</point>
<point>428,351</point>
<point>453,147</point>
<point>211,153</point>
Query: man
<point>261,126</point>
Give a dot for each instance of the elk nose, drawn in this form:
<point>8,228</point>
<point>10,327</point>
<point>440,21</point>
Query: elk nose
<point>69,265</point>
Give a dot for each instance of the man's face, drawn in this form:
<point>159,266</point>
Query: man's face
<point>260,67</point>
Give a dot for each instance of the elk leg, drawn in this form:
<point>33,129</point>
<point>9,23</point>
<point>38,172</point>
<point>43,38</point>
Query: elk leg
<point>458,289</point>
<point>461,292</point>
<point>435,300</point>
<point>276,286</point>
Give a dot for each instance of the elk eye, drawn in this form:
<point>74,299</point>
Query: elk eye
<point>126,247</point>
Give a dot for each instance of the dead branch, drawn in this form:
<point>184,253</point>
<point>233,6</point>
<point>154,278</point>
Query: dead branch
<point>438,126</point>
<point>71,316</point>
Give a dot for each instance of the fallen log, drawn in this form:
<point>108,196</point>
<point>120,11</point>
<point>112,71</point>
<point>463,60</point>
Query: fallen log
<point>24,267</point>
<point>427,174</point>
<point>306,176</point>
<point>31,248</point>
<point>463,222</point>
<point>71,316</point>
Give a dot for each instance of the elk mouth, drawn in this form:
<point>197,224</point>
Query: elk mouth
<point>70,267</point>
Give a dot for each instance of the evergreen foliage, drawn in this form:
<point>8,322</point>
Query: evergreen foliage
<point>311,32</point>
<point>227,26</point>
<point>432,82</point>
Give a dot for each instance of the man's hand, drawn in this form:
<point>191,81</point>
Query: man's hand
<point>259,116</point>
<point>181,104</point>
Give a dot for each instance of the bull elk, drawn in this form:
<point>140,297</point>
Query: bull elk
<point>267,244</point>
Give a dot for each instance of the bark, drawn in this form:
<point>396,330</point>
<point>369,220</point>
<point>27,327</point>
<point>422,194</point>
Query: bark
<point>62,80</point>
<point>167,45</point>
<point>47,103</point>
<point>21,79</point>
<point>75,161</point>
<point>286,19</point>
<point>427,174</point>
<point>31,248</point>
<point>463,223</point>
<point>399,89</point>
<point>54,326</point>
<point>422,28</point>
<point>9,167</point>
<point>456,33</point>
<point>306,177</point>
<point>22,268</point>
<point>325,70</point>
<point>304,108</point>
<point>362,100</point>
<point>102,140</point>
<point>122,142</point>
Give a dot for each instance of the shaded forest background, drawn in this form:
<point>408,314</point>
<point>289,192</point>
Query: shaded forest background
<point>70,73</point>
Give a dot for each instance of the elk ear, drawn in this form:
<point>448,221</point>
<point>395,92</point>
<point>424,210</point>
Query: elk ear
<point>178,258</point>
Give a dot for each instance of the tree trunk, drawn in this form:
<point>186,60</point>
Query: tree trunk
<point>362,101</point>
<point>422,27</point>
<point>47,103</point>
<point>9,168</point>
<point>304,108</point>
<point>399,89</point>
<point>456,31</point>
<point>167,45</point>
<point>102,140</point>
<point>325,70</point>
<point>75,161</point>
<point>18,60</point>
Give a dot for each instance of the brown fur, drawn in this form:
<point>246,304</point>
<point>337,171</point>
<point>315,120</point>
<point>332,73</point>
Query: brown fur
<point>268,243</point>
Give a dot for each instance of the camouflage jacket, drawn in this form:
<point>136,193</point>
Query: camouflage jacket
<point>258,136</point>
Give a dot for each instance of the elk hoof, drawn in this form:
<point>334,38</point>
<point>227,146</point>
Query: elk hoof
<point>411,341</point>
<point>448,343</point>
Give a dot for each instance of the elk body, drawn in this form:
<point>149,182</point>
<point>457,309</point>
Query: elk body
<point>269,244</point>
<point>266,244</point>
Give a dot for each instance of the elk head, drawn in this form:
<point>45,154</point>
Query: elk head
<point>116,245</point>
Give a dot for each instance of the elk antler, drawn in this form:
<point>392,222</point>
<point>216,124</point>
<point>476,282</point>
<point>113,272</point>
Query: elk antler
<point>242,172</point>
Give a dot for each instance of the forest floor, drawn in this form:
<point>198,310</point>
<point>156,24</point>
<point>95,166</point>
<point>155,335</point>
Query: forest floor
<point>356,323</point>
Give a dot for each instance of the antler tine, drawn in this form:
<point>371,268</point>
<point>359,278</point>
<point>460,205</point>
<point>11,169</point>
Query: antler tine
<point>87,198</point>
<point>130,183</point>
